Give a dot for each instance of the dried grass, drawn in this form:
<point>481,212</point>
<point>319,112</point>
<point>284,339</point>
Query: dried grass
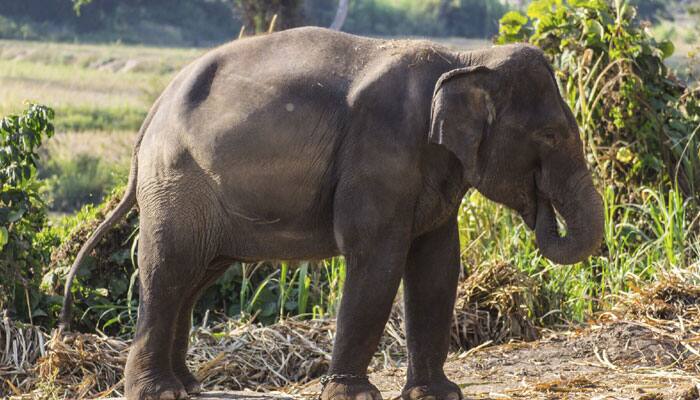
<point>21,345</point>
<point>492,307</point>
<point>495,304</point>
<point>670,309</point>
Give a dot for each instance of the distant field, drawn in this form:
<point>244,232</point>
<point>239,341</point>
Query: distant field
<point>92,87</point>
<point>100,93</point>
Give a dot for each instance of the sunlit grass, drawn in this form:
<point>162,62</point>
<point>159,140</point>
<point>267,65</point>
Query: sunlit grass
<point>641,241</point>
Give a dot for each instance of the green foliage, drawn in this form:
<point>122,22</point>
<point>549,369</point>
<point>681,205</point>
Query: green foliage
<point>78,4</point>
<point>188,22</point>
<point>642,239</point>
<point>639,127</point>
<point>205,22</point>
<point>71,183</point>
<point>23,253</point>
<point>105,285</point>
<point>269,291</point>
<point>639,124</point>
<point>106,288</point>
<point>257,15</point>
<point>15,29</point>
<point>72,118</point>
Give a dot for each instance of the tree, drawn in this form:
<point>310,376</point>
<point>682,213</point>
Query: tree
<point>258,14</point>
<point>77,4</point>
<point>22,212</point>
<point>340,15</point>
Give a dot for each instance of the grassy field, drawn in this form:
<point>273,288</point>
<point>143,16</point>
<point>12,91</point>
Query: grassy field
<point>92,87</point>
<point>100,93</point>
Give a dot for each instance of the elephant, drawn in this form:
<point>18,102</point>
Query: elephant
<point>310,143</point>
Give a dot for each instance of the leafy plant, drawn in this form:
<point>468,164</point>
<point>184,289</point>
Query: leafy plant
<point>23,253</point>
<point>639,126</point>
<point>639,123</point>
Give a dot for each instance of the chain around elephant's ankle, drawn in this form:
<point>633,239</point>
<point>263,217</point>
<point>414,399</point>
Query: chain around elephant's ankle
<point>326,379</point>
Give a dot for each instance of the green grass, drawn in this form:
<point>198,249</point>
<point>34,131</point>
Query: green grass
<point>642,240</point>
<point>81,118</point>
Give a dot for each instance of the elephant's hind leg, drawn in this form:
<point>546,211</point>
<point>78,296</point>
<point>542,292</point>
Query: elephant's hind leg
<point>169,261</point>
<point>184,324</point>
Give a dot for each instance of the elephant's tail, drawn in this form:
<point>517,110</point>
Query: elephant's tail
<point>124,206</point>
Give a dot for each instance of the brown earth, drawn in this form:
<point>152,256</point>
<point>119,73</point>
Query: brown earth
<point>646,347</point>
<point>618,360</point>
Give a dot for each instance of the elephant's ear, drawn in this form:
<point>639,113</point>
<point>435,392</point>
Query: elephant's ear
<point>462,112</point>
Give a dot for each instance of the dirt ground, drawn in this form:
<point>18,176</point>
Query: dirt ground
<point>620,360</point>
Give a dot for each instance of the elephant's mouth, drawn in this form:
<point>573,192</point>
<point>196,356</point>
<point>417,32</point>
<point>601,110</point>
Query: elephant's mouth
<point>528,208</point>
<point>529,215</point>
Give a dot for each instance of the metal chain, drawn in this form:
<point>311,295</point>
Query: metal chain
<point>326,379</point>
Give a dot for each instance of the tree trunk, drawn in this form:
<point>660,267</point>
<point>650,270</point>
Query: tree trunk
<point>257,15</point>
<point>340,15</point>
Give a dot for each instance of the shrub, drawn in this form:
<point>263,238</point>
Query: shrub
<point>639,125</point>
<point>23,252</point>
<point>638,122</point>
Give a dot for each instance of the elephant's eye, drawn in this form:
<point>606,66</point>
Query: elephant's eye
<point>549,137</point>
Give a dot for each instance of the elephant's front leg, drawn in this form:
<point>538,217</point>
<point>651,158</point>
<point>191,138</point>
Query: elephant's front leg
<point>430,284</point>
<point>376,259</point>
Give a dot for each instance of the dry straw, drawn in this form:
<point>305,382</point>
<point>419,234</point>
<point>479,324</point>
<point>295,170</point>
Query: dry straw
<point>493,306</point>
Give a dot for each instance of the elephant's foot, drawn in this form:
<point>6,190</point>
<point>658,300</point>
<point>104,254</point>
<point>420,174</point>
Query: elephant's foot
<point>155,388</point>
<point>444,390</point>
<point>350,389</point>
<point>191,384</point>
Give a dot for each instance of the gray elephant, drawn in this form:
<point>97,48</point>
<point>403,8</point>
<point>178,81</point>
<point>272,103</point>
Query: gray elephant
<point>311,143</point>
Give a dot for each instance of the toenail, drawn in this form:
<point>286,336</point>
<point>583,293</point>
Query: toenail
<point>417,392</point>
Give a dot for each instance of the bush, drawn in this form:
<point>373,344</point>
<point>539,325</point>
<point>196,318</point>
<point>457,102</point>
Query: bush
<point>106,287</point>
<point>639,125</point>
<point>24,253</point>
<point>638,122</point>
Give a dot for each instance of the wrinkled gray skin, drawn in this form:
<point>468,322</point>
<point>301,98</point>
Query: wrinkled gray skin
<point>310,143</point>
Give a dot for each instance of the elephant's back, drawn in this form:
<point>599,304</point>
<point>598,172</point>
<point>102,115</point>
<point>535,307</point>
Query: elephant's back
<point>264,126</point>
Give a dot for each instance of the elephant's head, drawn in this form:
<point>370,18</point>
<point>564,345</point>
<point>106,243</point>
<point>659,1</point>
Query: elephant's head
<point>519,145</point>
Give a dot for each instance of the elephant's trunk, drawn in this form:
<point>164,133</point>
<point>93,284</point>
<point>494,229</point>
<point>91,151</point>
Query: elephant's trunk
<point>582,209</point>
